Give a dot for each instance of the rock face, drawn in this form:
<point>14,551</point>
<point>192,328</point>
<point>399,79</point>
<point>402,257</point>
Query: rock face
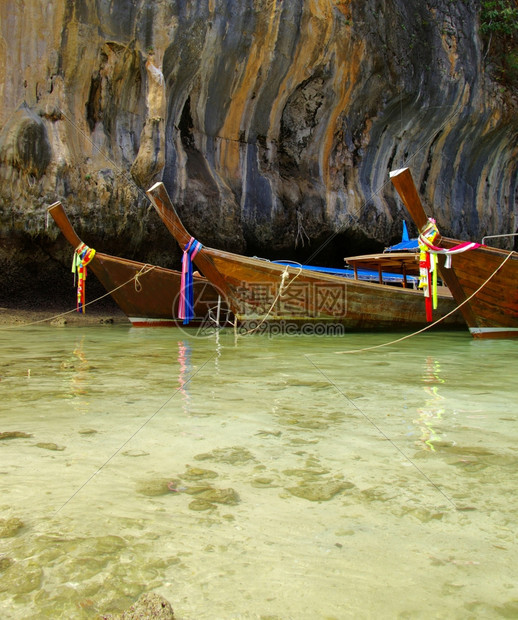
<point>273,123</point>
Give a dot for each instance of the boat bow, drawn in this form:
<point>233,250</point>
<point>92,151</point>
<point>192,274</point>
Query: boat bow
<point>165,209</point>
<point>405,186</point>
<point>482,280</point>
<point>60,217</point>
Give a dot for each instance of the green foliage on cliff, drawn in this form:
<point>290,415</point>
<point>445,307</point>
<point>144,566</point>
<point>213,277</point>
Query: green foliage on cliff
<point>499,16</point>
<point>499,24</point>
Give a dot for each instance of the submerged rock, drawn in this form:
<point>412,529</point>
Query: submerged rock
<point>135,453</point>
<point>50,446</point>
<point>195,490</point>
<point>10,527</point>
<point>212,495</point>
<point>262,483</point>
<point>220,496</point>
<point>201,504</point>
<point>22,578</point>
<point>197,473</point>
<point>149,606</point>
<point>156,487</point>
<point>108,545</point>
<point>233,456</point>
<point>13,435</point>
<point>5,563</point>
<point>319,492</point>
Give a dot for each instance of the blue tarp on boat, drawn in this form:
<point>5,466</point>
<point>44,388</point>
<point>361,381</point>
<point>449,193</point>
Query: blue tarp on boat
<point>410,245</point>
<point>367,275</point>
<point>405,244</point>
<point>363,274</point>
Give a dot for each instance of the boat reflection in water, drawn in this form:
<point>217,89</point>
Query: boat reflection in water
<point>432,413</point>
<point>77,373</point>
<point>184,375</point>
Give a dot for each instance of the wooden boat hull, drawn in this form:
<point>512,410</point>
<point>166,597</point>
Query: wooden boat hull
<point>150,297</point>
<point>147,294</point>
<point>253,290</point>
<point>493,311</point>
<point>259,291</point>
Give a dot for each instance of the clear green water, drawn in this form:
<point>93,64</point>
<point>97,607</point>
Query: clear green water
<point>263,478</point>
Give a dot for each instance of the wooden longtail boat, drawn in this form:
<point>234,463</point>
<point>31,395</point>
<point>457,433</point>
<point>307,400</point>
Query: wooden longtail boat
<point>261,292</point>
<point>147,294</point>
<point>484,279</point>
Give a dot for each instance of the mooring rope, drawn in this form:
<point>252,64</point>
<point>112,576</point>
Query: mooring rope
<point>138,285</point>
<point>283,287</point>
<point>427,327</point>
<point>135,278</point>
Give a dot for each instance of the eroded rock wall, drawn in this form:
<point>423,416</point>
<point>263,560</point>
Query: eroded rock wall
<point>273,123</point>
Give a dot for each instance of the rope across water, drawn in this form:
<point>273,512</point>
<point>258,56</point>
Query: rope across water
<point>387,344</point>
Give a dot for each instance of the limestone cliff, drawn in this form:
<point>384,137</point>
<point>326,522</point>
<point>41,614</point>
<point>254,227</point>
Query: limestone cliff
<point>273,123</point>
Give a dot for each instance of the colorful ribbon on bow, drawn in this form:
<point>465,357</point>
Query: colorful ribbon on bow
<point>428,262</point>
<point>186,303</point>
<point>428,279</point>
<point>82,256</point>
<point>430,233</point>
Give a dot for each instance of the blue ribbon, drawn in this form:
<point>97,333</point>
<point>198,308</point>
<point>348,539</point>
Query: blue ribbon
<point>186,305</point>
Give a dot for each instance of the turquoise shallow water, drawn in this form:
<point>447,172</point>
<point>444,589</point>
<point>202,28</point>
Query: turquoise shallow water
<point>258,477</point>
